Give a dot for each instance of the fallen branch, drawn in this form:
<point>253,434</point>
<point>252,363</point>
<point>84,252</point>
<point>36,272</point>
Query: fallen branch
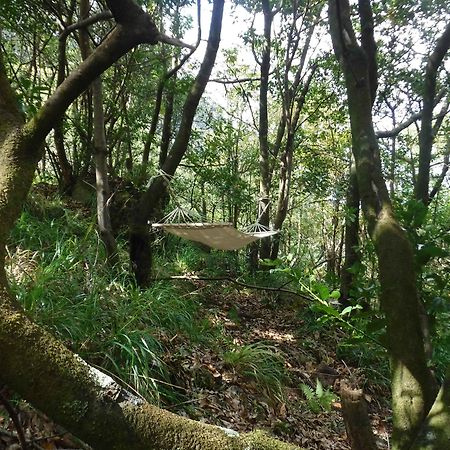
<point>234,281</point>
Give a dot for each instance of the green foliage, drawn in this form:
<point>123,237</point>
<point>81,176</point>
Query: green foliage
<point>259,362</point>
<point>101,316</point>
<point>428,232</point>
<point>319,399</point>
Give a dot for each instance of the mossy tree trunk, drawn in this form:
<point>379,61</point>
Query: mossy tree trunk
<point>413,386</point>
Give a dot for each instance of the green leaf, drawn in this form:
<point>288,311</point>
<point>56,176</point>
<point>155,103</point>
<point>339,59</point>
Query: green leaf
<point>319,388</point>
<point>323,291</point>
<point>325,308</point>
<point>347,310</point>
<point>429,251</point>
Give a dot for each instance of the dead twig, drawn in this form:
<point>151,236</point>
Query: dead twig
<point>15,419</point>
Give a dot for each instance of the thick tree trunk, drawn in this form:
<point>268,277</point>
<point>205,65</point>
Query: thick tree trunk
<point>140,239</point>
<point>413,386</point>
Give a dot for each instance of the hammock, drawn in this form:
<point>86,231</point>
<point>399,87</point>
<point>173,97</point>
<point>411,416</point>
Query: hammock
<point>222,236</point>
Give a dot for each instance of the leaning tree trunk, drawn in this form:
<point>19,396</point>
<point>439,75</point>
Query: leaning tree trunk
<point>140,240</point>
<point>413,386</point>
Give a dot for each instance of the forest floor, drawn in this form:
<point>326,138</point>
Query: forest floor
<point>240,403</point>
<point>258,369</point>
<point>219,394</point>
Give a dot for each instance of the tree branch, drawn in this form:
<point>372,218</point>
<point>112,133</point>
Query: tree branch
<point>14,417</point>
<point>426,137</point>
<point>235,81</point>
<point>163,38</point>
<point>103,15</point>
<point>402,126</point>
<point>122,39</point>
<point>238,283</point>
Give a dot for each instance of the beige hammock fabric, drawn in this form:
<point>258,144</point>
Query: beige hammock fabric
<point>222,236</point>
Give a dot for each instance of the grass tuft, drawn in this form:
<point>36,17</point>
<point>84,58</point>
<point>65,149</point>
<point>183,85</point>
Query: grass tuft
<point>259,362</point>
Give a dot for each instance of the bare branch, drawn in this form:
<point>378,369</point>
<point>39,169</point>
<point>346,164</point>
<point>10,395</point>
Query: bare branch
<point>163,38</point>
<point>235,81</point>
<point>104,15</point>
<point>413,118</point>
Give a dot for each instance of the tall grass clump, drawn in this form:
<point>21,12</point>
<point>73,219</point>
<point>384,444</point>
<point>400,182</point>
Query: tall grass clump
<point>261,363</point>
<point>97,312</point>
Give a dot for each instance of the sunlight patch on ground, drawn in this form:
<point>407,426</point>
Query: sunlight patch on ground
<point>274,335</point>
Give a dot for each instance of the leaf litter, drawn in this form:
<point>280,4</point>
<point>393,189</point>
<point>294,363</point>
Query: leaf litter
<point>216,392</point>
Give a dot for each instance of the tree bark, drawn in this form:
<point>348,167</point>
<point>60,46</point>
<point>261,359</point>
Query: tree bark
<point>413,386</point>
<point>140,240</point>
<point>426,136</point>
<point>351,238</point>
<point>435,432</point>
<point>102,189</point>
<point>356,418</point>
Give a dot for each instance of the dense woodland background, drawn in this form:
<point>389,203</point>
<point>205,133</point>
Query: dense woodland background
<point>327,121</point>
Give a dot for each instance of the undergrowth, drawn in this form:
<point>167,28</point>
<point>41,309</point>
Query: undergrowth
<point>259,362</point>
<point>98,313</point>
<point>57,259</point>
